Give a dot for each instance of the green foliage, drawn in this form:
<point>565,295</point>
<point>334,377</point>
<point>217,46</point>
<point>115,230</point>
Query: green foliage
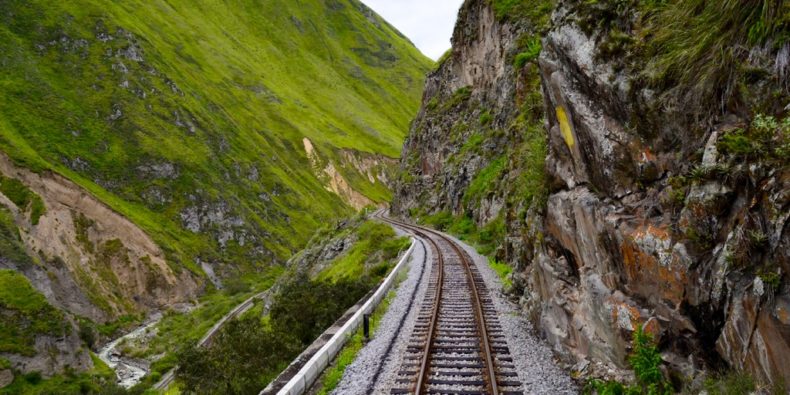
<point>730,383</point>
<point>445,56</point>
<point>537,12</point>
<point>772,280</point>
<point>23,197</point>
<point>98,90</point>
<point>646,362</point>
<point>440,220</point>
<point>503,270</point>
<point>11,245</point>
<point>462,226</point>
<point>485,180</point>
<point>87,333</point>
<point>248,352</point>
<point>766,139</point>
<point>460,96</point>
<point>26,314</point>
<point>335,371</point>
<point>112,328</point>
<point>304,308</point>
<point>695,44</point>
<point>371,255</point>
<point>178,330</point>
<point>242,357</point>
<point>533,48</point>
<point>485,118</point>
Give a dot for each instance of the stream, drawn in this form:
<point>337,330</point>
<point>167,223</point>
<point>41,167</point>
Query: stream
<point>128,370</point>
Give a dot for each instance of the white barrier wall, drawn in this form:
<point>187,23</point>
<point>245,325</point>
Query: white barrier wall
<point>321,359</point>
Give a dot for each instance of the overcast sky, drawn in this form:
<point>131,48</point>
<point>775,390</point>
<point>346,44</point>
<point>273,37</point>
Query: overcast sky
<point>427,23</point>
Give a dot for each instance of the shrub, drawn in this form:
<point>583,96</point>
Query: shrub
<point>87,333</point>
<point>238,360</point>
<point>646,362</point>
<point>531,52</point>
<point>23,197</point>
<point>485,118</point>
<point>304,308</point>
<point>730,383</point>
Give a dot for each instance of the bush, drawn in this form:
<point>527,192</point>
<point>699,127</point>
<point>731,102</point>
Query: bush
<point>530,53</point>
<point>646,362</point>
<point>87,333</point>
<point>730,383</point>
<point>765,139</point>
<point>304,308</point>
<point>23,197</point>
<point>238,360</point>
<point>246,353</point>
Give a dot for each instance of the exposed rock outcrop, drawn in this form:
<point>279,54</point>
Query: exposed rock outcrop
<point>90,260</point>
<point>372,168</point>
<point>651,217</point>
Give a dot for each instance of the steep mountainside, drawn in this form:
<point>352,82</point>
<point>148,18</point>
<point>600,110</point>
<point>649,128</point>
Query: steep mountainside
<point>656,191</point>
<point>149,148</point>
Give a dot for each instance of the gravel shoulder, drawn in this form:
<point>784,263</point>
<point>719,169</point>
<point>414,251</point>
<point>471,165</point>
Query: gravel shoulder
<point>374,370</point>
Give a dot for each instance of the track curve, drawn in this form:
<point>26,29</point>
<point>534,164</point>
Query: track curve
<point>457,345</point>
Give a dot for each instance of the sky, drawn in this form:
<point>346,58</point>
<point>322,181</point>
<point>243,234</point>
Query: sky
<point>427,23</point>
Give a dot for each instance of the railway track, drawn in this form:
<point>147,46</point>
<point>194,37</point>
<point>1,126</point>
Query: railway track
<point>457,345</point>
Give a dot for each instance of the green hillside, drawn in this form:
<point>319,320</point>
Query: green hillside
<point>188,117</point>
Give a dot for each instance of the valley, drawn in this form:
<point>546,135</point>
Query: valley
<point>287,197</point>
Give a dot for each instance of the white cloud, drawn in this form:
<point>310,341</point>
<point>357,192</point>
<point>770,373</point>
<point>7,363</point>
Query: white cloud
<point>427,23</point>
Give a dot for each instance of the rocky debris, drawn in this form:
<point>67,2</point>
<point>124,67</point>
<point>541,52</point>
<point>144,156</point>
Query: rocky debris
<point>116,113</point>
<point>208,268</point>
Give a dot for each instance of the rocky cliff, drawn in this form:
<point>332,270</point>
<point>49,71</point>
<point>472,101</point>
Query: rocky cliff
<point>664,201</point>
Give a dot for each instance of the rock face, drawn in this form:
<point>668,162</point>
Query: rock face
<point>53,355</point>
<point>651,217</point>
<point>335,174</point>
<point>94,262</point>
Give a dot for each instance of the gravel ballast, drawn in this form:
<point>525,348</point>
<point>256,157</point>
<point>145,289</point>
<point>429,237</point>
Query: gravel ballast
<point>534,360</point>
<point>374,370</point>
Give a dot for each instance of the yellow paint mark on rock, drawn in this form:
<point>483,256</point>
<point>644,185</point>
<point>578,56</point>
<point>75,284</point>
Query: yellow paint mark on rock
<point>565,126</point>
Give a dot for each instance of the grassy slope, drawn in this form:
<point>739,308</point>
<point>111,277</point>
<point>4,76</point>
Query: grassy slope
<point>26,313</point>
<point>222,90</point>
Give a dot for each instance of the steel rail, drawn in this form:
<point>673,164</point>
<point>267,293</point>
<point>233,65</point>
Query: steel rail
<point>489,374</point>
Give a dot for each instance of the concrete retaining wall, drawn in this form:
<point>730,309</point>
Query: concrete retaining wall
<point>321,359</point>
